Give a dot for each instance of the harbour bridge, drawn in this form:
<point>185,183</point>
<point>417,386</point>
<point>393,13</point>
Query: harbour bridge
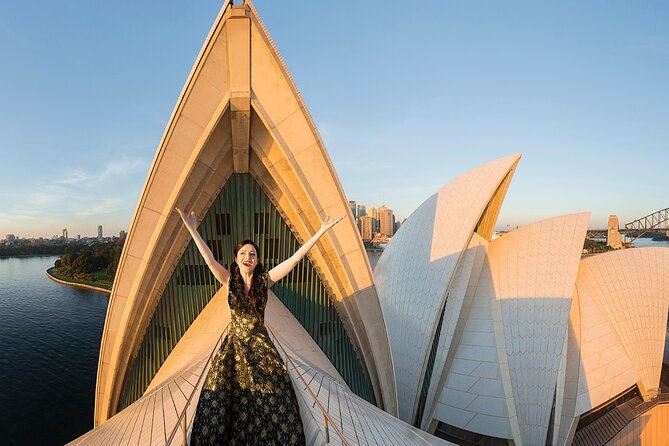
<point>658,221</point>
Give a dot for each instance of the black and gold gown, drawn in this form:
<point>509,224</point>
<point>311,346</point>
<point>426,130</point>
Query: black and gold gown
<point>247,397</point>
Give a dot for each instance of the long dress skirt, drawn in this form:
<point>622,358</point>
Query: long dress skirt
<point>247,397</point>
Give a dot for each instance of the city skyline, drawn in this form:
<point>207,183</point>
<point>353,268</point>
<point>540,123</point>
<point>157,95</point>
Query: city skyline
<point>579,90</point>
<point>67,235</point>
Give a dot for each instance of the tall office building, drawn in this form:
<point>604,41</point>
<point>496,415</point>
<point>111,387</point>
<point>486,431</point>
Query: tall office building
<point>366,228</point>
<point>362,210</point>
<point>354,209</point>
<point>386,221</point>
<point>65,233</point>
<point>99,232</point>
<point>374,215</point>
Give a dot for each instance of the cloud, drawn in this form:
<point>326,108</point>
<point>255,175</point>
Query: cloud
<point>104,206</point>
<point>115,168</point>
<point>74,177</point>
<point>76,195</point>
<point>124,167</point>
<point>43,198</point>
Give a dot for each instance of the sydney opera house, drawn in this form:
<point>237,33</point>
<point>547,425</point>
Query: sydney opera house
<point>456,337</point>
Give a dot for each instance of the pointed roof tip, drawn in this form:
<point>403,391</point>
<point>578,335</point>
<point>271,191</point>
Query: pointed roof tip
<point>514,156</point>
<point>506,159</point>
<point>512,159</point>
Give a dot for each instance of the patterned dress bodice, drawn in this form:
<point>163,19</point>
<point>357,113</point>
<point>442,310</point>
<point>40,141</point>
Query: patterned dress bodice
<point>245,320</point>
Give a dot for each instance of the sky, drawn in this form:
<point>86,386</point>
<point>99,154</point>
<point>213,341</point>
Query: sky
<point>406,95</point>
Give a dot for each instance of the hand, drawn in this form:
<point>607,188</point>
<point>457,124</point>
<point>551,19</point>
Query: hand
<point>189,219</point>
<point>330,222</point>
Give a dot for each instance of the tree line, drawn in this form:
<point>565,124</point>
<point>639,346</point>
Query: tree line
<point>593,247</point>
<point>25,249</point>
<point>89,262</point>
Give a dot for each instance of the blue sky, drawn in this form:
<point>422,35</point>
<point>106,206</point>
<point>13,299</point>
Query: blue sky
<point>407,96</point>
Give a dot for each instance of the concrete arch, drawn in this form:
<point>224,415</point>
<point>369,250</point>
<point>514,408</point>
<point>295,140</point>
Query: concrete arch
<point>245,116</point>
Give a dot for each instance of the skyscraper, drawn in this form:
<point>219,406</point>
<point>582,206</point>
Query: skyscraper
<point>386,221</point>
<point>366,227</point>
<point>65,233</point>
<point>362,210</point>
<point>354,209</point>
<point>99,232</point>
<point>374,214</point>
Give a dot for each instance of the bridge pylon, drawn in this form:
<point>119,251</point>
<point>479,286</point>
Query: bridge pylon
<point>613,238</point>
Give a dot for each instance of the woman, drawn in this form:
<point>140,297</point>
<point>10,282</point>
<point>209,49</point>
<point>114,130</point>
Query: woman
<point>247,397</point>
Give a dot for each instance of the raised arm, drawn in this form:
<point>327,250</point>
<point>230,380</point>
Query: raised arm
<point>221,274</point>
<point>282,269</point>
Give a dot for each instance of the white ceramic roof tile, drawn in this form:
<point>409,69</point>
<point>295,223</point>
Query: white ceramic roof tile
<point>459,406</point>
<point>350,417</point>
<point>534,271</point>
<point>152,419</point>
<point>415,270</point>
<point>600,348</point>
<point>471,260</point>
<point>624,299</point>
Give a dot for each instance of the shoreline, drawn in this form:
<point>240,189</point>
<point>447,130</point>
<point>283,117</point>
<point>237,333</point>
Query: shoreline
<point>16,256</point>
<point>76,284</point>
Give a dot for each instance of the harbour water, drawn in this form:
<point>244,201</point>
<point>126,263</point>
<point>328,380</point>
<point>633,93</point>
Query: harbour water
<point>641,242</point>
<point>49,344</point>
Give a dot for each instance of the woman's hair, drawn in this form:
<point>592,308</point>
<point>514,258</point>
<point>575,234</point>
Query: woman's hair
<point>258,291</point>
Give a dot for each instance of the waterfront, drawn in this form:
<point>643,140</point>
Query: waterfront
<point>49,345</point>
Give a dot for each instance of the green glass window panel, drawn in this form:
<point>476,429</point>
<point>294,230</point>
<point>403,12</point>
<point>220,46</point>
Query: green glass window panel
<point>428,370</point>
<point>242,211</point>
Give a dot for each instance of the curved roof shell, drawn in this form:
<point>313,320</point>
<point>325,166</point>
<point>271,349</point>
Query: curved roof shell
<point>631,290</point>
<point>416,268</point>
<point>618,328</point>
<point>501,368</point>
<point>534,271</point>
<point>245,116</point>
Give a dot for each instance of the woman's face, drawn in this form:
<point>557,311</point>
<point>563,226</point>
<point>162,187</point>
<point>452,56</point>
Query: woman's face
<point>247,258</point>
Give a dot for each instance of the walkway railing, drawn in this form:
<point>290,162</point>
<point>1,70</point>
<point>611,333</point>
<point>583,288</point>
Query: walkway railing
<point>346,418</point>
<point>180,431</point>
<point>645,406</point>
<point>602,430</point>
<point>326,416</point>
<point>182,422</point>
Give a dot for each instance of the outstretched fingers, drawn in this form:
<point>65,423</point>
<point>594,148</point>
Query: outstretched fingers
<point>330,221</point>
<point>188,218</point>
